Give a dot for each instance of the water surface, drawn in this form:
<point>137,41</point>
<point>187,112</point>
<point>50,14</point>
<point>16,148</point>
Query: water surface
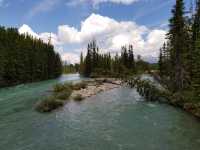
<point>114,120</point>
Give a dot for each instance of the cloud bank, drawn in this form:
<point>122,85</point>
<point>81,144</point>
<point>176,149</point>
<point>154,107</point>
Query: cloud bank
<point>109,33</point>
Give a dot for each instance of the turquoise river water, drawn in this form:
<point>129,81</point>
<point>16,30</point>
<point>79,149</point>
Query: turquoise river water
<point>114,120</point>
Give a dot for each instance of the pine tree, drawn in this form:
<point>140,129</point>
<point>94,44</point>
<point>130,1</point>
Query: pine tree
<point>25,59</point>
<point>81,70</point>
<point>177,37</point>
<point>195,72</point>
<point>160,62</point>
<point>88,62</point>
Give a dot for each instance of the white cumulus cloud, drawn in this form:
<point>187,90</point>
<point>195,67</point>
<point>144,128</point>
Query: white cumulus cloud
<point>25,29</point>
<point>109,33</point>
<point>71,58</point>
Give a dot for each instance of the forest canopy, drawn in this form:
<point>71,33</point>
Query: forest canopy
<point>179,60</point>
<point>26,59</point>
<point>96,64</point>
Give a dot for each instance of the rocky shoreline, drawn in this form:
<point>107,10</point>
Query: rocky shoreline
<point>96,86</point>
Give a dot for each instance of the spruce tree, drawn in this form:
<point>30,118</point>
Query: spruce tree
<point>195,72</point>
<point>177,36</point>
<point>88,62</point>
<point>25,59</point>
<point>81,70</point>
<point>160,62</point>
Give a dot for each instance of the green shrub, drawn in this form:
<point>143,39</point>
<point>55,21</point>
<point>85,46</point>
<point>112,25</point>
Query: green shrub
<point>62,87</point>
<point>58,87</point>
<point>49,104</point>
<point>79,86</point>
<point>78,97</point>
<point>64,95</point>
<point>61,92</point>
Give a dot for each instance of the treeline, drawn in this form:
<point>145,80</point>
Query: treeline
<point>70,68</point>
<point>25,59</point>
<point>96,64</point>
<point>179,61</point>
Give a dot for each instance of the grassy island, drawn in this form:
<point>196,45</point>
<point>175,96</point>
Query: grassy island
<point>62,93</point>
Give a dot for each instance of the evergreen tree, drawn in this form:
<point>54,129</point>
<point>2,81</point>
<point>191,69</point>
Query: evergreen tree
<point>25,59</point>
<point>131,60</point>
<point>195,72</point>
<point>81,71</point>
<point>88,62</point>
<point>177,37</point>
<point>160,62</point>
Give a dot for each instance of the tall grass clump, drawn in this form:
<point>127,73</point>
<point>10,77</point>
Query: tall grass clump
<point>61,93</point>
<point>49,104</point>
<point>79,86</point>
<point>78,97</point>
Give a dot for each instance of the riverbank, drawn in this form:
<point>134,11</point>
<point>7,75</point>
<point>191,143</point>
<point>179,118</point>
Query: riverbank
<point>96,86</point>
<point>156,92</point>
<point>62,93</point>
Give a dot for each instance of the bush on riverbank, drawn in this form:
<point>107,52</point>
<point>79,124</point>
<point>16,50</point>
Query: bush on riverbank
<point>49,104</point>
<point>62,87</point>
<point>187,100</point>
<point>61,93</point>
<point>78,97</point>
<point>79,86</point>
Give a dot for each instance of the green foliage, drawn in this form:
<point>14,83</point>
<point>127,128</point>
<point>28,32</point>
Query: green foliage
<point>25,59</point>
<point>78,86</point>
<point>175,60</point>
<point>78,97</point>
<point>63,95</point>
<point>142,66</point>
<point>164,60</point>
<point>62,87</point>
<point>70,68</point>
<point>49,104</point>
<point>178,35</point>
<point>58,87</point>
<point>195,52</point>
<point>98,65</point>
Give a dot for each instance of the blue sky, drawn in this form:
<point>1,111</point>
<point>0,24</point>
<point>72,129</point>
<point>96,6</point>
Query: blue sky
<point>145,19</point>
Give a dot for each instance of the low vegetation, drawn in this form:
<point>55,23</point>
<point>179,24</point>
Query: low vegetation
<point>48,104</point>
<point>62,87</point>
<point>97,65</point>
<point>25,59</point>
<point>61,94</point>
<point>183,99</point>
<point>80,85</point>
<point>78,97</point>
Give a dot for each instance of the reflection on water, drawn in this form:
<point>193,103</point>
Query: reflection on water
<point>113,120</point>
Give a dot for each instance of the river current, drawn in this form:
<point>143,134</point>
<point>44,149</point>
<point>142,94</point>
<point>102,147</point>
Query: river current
<point>118,119</point>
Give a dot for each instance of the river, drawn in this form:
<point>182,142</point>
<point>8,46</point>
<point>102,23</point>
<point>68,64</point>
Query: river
<point>114,120</point>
